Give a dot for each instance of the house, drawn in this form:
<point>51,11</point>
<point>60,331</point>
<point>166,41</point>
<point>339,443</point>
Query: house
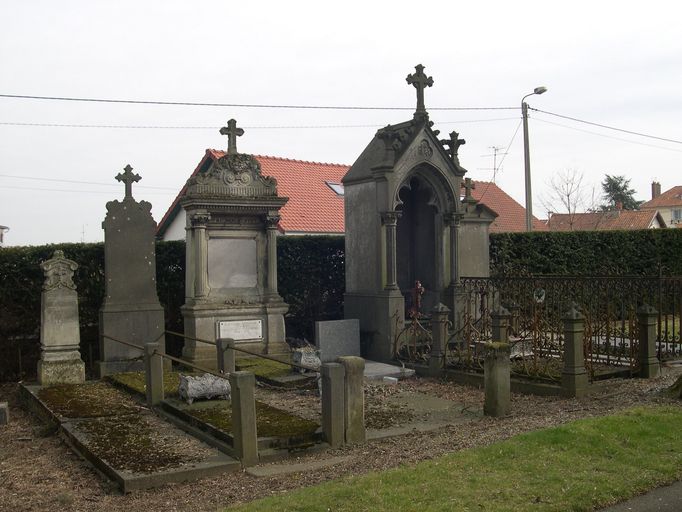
<point>618,219</point>
<point>315,205</point>
<point>668,204</point>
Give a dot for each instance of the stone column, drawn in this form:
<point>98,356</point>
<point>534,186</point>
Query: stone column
<point>354,398</point>
<point>390,222</point>
<point>453,221</point>
<point>439,322</point>
<point>226,355</point>
<point>199,221</point>
<point>153,374</point>
<point>500,325</point>
<point>333,425</point>
<point>243,386</point>
<point>574,380</point>
<point>272,222</point>
<point>60,361</point>
<point>497,374</point>
<point>647,318</point>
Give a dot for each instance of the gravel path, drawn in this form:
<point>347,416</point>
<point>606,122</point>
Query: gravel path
<point>39,472</point>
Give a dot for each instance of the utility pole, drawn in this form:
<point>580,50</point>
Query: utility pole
<point>526,157</point>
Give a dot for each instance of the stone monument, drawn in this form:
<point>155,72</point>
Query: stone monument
<point>60,359</point>
<point>131,311</point>
<point>406,222</point>
<point>232,215</point>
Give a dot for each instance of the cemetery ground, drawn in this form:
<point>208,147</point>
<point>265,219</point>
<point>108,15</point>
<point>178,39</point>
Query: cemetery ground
<point>39,472</point>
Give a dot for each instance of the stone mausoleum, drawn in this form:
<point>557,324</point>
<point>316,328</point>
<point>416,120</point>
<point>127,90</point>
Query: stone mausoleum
<point>407,221</point>
<point>232,214</point>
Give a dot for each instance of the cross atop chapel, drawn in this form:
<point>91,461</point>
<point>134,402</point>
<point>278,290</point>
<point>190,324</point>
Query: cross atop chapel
<point>232,133</point>
<point>453,144</point>
<point>128,177</point>
<point>468,187</point>
<point>420,82</point>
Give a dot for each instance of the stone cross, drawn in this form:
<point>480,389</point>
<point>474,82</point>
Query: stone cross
<point>232,133</point>
<point>128,178</point>
<point>420,82</point>
<point>453,144</point>
<point>468,187</point>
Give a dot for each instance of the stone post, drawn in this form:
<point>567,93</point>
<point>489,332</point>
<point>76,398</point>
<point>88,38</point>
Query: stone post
<point>333,425</point>
<point>515,311</point>
<point>243,386</point>
<point>272,222</point>
<point>199,221</point>
<point>496,377</point>
<point>60,361</point>
<point>574,380</point>
<point>4,413</point>
<point>500,325</point>
<point>226,355</point>
<point>354,398</point>
<point>390,222</point>
<point>439,322</point>
<point>153,374</point>
<point>649,366</point>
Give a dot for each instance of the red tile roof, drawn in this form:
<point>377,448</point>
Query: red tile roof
<point>313,207</point>
<point>603,221</point>
<point>672,197</point>
<point>511,215</point>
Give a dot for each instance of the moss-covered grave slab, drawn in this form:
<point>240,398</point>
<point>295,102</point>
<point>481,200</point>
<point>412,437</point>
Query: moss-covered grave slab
<point>125,441</point>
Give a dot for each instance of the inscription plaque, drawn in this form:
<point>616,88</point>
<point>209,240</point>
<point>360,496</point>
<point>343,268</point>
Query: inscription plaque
<point>241,330</point>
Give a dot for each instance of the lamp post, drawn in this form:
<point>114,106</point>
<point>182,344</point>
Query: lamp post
<point>526,157</point>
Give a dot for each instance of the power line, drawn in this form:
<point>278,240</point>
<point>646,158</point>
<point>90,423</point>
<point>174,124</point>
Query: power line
<point>506,152</point>
<point>607,127</point>
<point>79,182</point>
<point>33,189</point>
<point>234,105</point>
<point>282,127</point>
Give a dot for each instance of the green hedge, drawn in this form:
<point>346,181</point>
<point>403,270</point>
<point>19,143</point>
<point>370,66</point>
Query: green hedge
<point>645,252</point>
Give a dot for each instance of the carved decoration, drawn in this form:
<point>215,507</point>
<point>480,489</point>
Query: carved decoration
<point>232,175</point>
<point>425,150</point>
<point>58,272</point>
<point>388,218</point>
<point>200,219</point>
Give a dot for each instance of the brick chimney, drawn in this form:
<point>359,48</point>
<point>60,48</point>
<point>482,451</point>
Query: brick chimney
<point>655,189</point>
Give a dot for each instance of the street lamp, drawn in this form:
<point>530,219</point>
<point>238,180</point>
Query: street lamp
<point>526,157</point>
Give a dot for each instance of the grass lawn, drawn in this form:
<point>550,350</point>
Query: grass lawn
<point>578,466</point>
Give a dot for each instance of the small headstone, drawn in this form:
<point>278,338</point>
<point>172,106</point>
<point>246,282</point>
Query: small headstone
<point>336,338</point>
<point>203,386</point>
<point>4,413</point>
<point>306,356</point>
<point>60,359</point>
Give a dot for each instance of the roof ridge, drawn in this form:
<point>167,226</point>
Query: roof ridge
<point>289,159</point>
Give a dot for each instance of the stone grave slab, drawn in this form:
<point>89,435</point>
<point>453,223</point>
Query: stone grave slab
<point>336,338</point>
<point>377,371</point>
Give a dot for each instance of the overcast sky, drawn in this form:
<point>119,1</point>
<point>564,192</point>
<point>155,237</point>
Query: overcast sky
<point>612,63</point>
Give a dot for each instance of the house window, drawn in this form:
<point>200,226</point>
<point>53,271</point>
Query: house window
<point>677,215</point>
<point>336,187</point>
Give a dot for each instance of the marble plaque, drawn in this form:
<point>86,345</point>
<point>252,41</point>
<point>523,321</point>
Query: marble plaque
<point>232,263</point>
<point>240,330</point>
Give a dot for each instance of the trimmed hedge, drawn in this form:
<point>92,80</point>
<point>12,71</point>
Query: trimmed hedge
<point>608,253</point>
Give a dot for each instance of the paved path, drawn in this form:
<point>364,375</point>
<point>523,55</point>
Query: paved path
<point>663,499</point>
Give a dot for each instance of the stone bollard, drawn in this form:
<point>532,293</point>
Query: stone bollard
<point>243,386</point>
<point>226,355</point>
<point>4,413</point>
<point>649,365</point>
<point>515,312</point>
<point>496,376</point>
<point>574,380</point>
<point>153,374</point>
<point>333,424</point>
<point>500,325</point>
<point>439,321</point>
<point>354,398</point>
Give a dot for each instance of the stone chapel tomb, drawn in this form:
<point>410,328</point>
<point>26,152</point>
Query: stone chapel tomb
<point>232,213</point>
<point>406,222</point>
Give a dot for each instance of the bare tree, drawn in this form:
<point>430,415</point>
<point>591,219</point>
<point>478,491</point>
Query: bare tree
<point>568,194</point>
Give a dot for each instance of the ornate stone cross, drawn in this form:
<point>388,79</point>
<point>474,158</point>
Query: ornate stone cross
<point>468,187</point>
<point>453,144</point>
<point>232,133</point>
<point>128,177</point>
<point>420,82</point>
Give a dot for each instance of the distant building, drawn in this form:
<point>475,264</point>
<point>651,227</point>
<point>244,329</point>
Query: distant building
<point>3,230</point>
<point>668,204</point>
<point>618,219</point>
<point>315,205</point>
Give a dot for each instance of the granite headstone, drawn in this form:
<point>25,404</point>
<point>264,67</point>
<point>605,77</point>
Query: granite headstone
<point>336,338</point>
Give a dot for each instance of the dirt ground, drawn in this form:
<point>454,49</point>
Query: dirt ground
<point>38,471</point>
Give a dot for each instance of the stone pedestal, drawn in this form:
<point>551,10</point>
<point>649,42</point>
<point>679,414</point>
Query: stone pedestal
<point>131,311</point>
<point>60,361</point>
<point>333,404</point>
<point>497,379</point>
<point>439,323</point>
<point>243,386</point>
<point>354,398</point>
<point>649,365</point>
<point>574,379</point>
<point>380,315</point>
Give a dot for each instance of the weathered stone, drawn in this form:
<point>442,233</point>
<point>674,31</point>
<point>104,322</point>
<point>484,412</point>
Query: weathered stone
<point>131,311</point>
<point>499,320</point>
<point>439,322</point>
<point>497,379</point>
<point>60,361</point>
<point>203,386</point>
<point>306,356</point>
<point>336,338</point>
<point>333,423</point>
<point>226,355</point>
<point>574,378</point>
<point>354,398</point>
<point>4,413</point>
<point>649,365</point>
<point>153,369</point>
<point>232,214</point>
<point>243,386</point>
